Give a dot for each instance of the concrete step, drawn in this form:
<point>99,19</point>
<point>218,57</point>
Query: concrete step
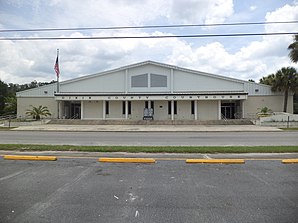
<point>150,122</point>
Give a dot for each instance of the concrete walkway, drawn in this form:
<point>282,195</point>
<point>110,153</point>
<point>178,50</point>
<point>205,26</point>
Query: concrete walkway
<point>148,128</point>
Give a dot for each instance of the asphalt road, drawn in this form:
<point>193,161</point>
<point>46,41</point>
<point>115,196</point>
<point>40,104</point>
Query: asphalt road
<point>83,190</point>
<point>151,138</point>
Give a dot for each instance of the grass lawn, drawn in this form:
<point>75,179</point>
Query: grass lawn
<point>289,129</point>
<point>6,128</point>
<point>154,149</point>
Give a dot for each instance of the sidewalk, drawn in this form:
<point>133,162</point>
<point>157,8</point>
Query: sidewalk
<point>148,128</point>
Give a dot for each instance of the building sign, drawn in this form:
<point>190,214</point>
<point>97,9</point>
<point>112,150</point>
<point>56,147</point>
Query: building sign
<point>152,97</point>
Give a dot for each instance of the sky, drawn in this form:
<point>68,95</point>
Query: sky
<point>245,57</point>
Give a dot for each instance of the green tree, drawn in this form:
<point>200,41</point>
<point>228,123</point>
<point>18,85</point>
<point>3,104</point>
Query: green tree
<point>268,80</point>
<point>3,94</point>
<point>38,112</point>
<point>293,47</point>
<point>284,80</point>
<point>10,105</point>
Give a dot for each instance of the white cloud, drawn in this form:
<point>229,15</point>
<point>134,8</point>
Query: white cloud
<point>34,60</point>
<point>257,59</point>
<point>252,8</point>
<point>199,11</point>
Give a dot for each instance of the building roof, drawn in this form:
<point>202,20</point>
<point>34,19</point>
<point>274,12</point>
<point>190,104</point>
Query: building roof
<point>186,80</point>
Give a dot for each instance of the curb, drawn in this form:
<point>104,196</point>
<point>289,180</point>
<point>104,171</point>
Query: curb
<point>126,160</point>
<point>216,161</point>
<point>289,161</point>
<point>34,158</point>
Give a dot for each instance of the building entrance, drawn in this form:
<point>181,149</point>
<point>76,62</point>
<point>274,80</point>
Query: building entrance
<point>75,110</point>
<point>231,109</point>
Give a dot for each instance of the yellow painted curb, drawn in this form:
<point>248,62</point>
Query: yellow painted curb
<point>288,161</point>
<point>37,158</point>
<point>126,160</point>
<point>223,161</point>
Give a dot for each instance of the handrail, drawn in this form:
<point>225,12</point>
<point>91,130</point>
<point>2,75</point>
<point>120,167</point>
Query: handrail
<point>7,117</point>
<point>223,117</point>
<point>238,115</point>
<point>75,116</point>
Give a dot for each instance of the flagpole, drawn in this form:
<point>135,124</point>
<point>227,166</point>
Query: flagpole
<point>58,75</point>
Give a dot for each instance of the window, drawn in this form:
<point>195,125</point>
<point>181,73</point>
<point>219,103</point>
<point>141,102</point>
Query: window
<point>157,80</point>
<point>124,108</point>
<point>107,108</point>
<point>170,108</point>
<point>151,104</point>
<point>152,81</point>
<point>192,105</point>
<point>129,107</point>
<point>139,80</point>
<point>175,107</point>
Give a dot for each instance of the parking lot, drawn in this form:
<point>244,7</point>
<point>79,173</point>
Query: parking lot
<point>85,190</point>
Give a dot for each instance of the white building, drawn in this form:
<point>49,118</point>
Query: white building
<point>152,90</point>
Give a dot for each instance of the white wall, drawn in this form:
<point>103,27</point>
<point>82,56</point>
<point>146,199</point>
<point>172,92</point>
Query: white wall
<point>183,110</point>
<point>115,110</point>
<point>42,91</point>
<point>184,81</point>
<point>161,110</point>
<point>208,110</point>
<point>92,109</point>
<point>112,82</point>
<point>254,104</point>
<point>137,110</point>
<point>24,103</point>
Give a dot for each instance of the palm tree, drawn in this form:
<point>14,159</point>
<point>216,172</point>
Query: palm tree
<point>285,80</point>
<point>268,80</point>
<point>37,112</point>
<point>293,47</point>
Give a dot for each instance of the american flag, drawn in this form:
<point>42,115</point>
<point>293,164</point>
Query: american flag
<point>56,67</point>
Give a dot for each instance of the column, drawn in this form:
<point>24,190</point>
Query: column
<point>103,109</point>
<point>126,109</point>
<point>172,110</point>
<point>219,109</point>
<point>58,109</point>
<point>196,109</point>
<point>61,109</point>
<point>82,110</point>
<point>242,108</point>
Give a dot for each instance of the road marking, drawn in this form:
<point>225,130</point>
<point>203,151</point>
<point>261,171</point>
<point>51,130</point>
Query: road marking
<point>206,156</point>
<point>12,175</point>
<point>289,161</point>
<point>137,214</point>
<point>37,158</point>
<point>257,177</point>
<point>126,160</point>
<point>214,161</point>
<point>41,206</point>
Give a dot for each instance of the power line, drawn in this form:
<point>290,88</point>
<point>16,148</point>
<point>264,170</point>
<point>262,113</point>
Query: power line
<point>146,27</point>
<point>147,37</point>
